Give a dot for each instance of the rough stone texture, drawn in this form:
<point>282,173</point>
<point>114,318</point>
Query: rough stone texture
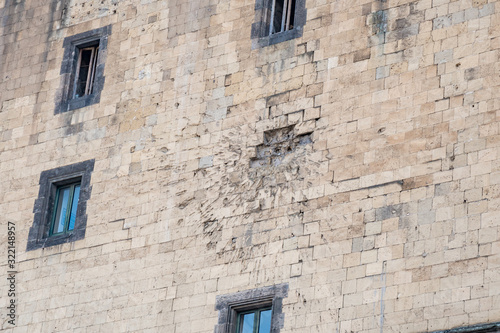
<point>387,221</point>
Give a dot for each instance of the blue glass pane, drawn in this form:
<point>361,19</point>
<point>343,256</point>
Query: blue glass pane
<point>265,321</point>
<point>247,325</point>
<point>74,206</point>
<point>62,207</point>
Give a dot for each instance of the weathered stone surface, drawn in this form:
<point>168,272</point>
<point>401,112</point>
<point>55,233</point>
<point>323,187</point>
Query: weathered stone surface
<point>354,161</point>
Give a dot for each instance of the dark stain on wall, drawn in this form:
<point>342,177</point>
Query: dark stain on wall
<point>12,12</point>
<point>396,23</point>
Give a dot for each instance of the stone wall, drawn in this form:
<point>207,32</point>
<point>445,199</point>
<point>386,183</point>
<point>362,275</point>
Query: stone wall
<point>358,164</point>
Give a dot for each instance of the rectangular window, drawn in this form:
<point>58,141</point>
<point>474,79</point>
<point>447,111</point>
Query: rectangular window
<point>277,21</point>
<point>255,321</point>
<point>82,69</point>
<point>252,311</point>
<point>65,207</point>
<point>85,73</point>
<point>61,206</point>
<point>283,15</point>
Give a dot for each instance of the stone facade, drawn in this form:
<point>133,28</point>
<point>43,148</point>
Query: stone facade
<point>358,164</point>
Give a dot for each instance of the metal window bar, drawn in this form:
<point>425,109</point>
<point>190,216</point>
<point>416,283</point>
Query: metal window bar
<point>93,62</point>
<point>271,24</point>
<point>284,15</point>
<point>288,14</point>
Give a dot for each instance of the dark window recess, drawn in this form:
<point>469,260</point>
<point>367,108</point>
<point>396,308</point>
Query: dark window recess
<point>82,69</point>
<point>277,21</point>
<point>85,76</point>
<point>283,14</point>
<point>61,207</point>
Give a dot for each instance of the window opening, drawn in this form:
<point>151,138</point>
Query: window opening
<point>61,207</point>
<point>256,321</point>
<point>277,21</point>
<point>82,69</point>
<point>283,15</point>
<point>85,74</point>
<point>257,310</point>
<point>65,207</point>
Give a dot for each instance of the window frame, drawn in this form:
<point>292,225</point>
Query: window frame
<point>70,67</point>
<point>40,234</point>
<point>92,66</point>
<point>286,17</point>
<point>230,306</point>
<point>261,33</point>
<point>256,312</point>
<point>69,208</point>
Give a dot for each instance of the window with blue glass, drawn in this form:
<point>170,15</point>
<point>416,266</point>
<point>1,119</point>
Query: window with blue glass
<point>60,209</point>
<point>82,69</point>
<point>255,321</point>
<point>258,310</point>
<point>64,212</point>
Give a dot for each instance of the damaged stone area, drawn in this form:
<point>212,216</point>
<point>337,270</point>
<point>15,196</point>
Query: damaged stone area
<point>277,145</point>
<point>395,23</point>
<point>357,164</point>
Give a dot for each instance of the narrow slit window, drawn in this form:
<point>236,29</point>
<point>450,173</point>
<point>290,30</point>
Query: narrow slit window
<point>86,69</point>
<point>65,207</point>
<point>283,16</point>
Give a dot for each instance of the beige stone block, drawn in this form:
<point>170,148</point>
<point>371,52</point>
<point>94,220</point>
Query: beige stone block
<point>489,219</point>
<point>373,228</point>
<point>352,259</point>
